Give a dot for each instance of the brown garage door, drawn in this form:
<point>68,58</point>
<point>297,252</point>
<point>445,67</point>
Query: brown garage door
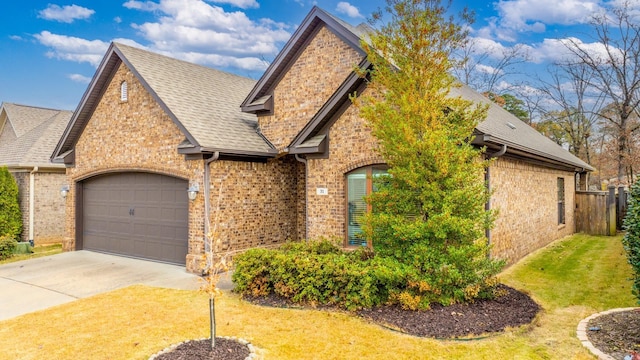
<point>136,214</point>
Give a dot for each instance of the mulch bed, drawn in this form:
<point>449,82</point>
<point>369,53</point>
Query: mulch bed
<point>225,349</point>
<point>616,334</point>
<point>513,308</point>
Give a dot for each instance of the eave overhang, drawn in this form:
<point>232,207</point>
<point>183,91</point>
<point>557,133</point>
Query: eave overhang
<point>526,154</point>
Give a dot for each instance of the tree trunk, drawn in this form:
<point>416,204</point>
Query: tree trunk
<point>212,322</point>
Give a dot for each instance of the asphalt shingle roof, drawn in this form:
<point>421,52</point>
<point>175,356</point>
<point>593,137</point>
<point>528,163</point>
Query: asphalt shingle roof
<point>37,130</point>
<point>505,128</point>
<point>204,100</point>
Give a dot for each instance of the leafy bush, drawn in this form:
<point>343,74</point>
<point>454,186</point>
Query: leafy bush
<point>7,246</point>
<point>631,239</point>
<point>319,272</point>
<point>10,216</point>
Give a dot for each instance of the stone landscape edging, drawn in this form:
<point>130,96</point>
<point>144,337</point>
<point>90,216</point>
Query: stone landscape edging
<point>584,339</point>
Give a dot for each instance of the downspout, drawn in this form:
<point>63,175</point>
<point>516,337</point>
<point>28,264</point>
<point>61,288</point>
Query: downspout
<point>487,180</point>
<point>306,196</point>
<point>207,201</point>
<point>32,199</point>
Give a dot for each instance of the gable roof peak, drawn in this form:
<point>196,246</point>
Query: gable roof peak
<point>201,101</point>
<point>317,17</point>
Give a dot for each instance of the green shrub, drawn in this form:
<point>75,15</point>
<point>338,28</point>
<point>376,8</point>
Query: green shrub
<point>10,216</point>
<point>7,246</point>
<point>631,239</point>
<point>319,272</point>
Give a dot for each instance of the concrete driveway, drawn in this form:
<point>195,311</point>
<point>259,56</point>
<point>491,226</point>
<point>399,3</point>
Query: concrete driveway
<point>36,284</point>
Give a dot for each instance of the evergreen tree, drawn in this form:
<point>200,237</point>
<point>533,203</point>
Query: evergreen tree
<point>10,216</point>
<point>631,240</point>
<point>429,212</point>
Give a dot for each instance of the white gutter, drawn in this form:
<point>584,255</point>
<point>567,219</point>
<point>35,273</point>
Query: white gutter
<point>32,198</point>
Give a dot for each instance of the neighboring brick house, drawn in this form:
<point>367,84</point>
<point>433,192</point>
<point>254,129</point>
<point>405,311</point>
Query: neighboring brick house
<point>280,159</point>
<point>28,135</point>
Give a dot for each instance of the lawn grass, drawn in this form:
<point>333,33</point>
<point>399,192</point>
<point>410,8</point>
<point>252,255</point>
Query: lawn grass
<point>571,279</point>
<point>38,251</point>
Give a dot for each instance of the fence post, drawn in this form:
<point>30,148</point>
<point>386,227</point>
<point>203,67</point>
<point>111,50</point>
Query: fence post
<point>622,201</point>
<point>611,211</point>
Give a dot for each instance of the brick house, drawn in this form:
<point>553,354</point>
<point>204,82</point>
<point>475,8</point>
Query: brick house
<point>303,107</point>
<point>283,158</point>
<point>28,135</point>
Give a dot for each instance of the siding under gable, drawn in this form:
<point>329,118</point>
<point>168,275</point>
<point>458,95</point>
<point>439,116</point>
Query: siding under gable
<point>307,85</point>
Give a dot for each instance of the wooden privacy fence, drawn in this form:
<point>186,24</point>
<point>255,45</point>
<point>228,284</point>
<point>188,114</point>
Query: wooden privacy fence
<point>600,212</point>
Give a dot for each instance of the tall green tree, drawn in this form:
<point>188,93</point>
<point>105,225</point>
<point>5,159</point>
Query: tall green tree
<point>10,215</point>
<point>429,213</point>
<point>512,104</point>
<point>631,240</point>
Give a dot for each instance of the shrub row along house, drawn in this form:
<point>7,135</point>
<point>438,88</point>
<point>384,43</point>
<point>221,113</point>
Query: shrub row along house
<point>28,136</point>
<point>157,146</point>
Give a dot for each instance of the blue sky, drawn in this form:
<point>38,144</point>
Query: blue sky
<point>50,49</point>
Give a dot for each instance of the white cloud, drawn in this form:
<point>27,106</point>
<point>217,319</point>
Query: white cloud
<point>531,15</point>
<point>117,19</point>
<point>141,5</point>
<point>15,37</point>
<point>66,14</point>
<point>348,9</point>
<point>559,50</point>
<point>243,4</point>
<point>73,48</point>
<point>486,69</point>
<point>79,78</point>
<point>191,30</point>
<point>193,26</point>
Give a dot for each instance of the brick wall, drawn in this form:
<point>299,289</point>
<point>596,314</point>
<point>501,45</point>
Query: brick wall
<point>351,146</point>
<point>321,67</point>
<point>49,211</point>
<point>526,198</point>
<point>258,202</point>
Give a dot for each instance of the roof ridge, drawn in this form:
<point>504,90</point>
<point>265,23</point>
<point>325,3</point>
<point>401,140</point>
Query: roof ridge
<point>154,53</point>
<point>34,106</point>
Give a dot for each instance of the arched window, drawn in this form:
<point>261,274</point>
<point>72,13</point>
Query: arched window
<point>123,91</point>
<point>359,184</point>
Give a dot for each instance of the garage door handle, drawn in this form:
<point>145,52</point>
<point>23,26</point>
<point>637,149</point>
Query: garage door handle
<point>132,212</point>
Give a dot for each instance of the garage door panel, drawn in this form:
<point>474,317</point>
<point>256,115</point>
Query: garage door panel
<point>136,214</point>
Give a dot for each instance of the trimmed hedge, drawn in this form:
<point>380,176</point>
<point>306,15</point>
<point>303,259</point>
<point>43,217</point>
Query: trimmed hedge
<point>319,272</point>
<point>631,239</point>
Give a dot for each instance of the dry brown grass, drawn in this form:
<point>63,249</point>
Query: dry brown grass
<point>138,321</point>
